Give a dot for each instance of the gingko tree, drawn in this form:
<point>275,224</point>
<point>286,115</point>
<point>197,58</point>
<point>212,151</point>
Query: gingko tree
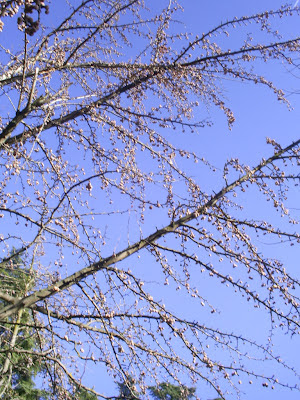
<point>119,221</point>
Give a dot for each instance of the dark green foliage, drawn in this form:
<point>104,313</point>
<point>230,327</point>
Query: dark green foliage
<point>167,391</point>
<point>164,391</point>
<point>127,391</point>
<point>18,368</point>
<point>24,388</point>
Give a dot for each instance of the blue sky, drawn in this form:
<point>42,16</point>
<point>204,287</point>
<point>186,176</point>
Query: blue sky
<point>258,115</point>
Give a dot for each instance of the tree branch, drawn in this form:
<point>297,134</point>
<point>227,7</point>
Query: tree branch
<point>115,258</point>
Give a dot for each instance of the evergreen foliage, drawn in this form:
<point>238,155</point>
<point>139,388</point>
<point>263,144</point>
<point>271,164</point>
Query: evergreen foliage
<point>18,368</point>
<point>167,391</point>
<point>128,390</point>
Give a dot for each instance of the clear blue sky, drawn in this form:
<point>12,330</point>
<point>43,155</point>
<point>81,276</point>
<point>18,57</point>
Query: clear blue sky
<point>258,115</point>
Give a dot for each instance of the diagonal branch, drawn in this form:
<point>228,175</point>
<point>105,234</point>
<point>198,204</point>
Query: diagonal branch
<point>20,115</point>
<point>143,243</point>
<point>4,136</point>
